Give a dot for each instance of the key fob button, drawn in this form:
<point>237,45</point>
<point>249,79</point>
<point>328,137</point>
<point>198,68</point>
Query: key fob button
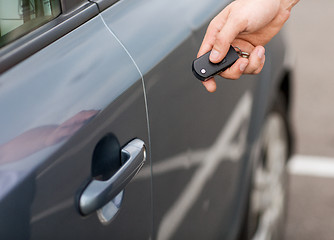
<point>204,69</point>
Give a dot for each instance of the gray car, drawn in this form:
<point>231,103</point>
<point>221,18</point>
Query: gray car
<point>106,133</point>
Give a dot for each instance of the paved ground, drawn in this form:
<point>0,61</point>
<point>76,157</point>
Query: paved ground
<point>311,199</point>
<point>311,36</point>
<point>310,213</point>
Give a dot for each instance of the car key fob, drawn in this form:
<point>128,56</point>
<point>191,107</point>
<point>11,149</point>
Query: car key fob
<point>204,69</point>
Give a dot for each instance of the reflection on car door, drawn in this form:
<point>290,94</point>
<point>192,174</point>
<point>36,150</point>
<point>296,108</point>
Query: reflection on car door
<point>56,106</point>
<point>198,139</point>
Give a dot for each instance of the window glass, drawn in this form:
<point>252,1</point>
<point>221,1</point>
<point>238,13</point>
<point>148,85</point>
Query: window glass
<point>18,17</point>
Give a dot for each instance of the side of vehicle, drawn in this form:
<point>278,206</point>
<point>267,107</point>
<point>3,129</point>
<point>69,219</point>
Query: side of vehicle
<point>222,130</point>
<point>126,74</point>
<point>60,103</point>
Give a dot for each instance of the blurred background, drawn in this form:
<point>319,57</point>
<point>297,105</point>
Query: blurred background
<point>311,200</point>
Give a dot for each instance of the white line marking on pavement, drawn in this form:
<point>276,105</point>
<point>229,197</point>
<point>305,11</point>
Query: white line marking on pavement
<point>312,166</point>
<point>217,153</point>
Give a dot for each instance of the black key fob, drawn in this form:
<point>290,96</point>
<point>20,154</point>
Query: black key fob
<point>204,69</point>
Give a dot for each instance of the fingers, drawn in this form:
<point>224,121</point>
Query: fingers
<point>225,37</point>
<point>236,70</point>
<point>209,39</point>
<point>252,65</point>
<point>221,32</point>
<point>256,61</point>
<point>210,85</point>
<point>211,33</point>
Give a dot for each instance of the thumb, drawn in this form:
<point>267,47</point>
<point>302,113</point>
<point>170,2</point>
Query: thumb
<point>225,37</point>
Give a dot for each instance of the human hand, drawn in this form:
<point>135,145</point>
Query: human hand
<point>249,25</point>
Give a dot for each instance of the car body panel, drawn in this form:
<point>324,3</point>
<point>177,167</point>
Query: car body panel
<point>127,71</point>
<point>149,42</point>
<point>187,168</point>
<point>74,14</point>
<point>86,74</point>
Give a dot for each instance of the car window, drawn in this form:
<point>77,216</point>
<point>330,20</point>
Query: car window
<point>18,17</point>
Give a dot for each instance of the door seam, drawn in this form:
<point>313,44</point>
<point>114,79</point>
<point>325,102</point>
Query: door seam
<point>146,109</point>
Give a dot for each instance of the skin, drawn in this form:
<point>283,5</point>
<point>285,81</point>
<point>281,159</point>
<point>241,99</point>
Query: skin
<point>249,25</point>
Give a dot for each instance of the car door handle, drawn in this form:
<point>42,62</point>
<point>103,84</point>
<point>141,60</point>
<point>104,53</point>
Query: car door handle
<point>99,193</point>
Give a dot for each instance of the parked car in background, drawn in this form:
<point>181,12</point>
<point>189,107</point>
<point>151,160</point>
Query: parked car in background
<point>105,132</point>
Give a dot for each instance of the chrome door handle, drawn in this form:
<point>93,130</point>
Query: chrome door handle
<point>99,193</point>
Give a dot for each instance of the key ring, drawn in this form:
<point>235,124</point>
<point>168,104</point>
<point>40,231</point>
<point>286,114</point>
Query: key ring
<point>241,53</point>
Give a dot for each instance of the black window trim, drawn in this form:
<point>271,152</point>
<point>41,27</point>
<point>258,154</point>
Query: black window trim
<point>74,13</point>
<point>104,4</point>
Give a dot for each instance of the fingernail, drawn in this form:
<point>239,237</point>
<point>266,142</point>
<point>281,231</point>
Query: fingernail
<point>242,66</point>
<point>260,53</point>
<point>214,55</point>
<point>262,61</point>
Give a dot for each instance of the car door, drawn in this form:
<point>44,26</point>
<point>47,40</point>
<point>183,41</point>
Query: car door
<point>73,127</point>
<point>199,140</point>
